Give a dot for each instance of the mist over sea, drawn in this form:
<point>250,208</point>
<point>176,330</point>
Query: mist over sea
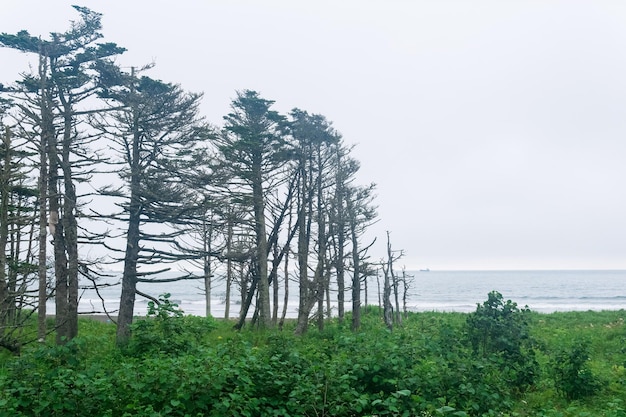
<point>458,291</point>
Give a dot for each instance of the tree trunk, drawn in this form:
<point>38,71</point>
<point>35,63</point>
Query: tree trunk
<point>380,302</point>
<point>341,283</point>
<point>207,236</point>
<point>341,238</point>
<point>389,280</point>
<point>47,132</point>
<point>56,230</point>
<point>387,308</point>
<point>245,281</point>
<point>308,296</point>
<point>131,255</point>
<point>356,274</point>
<point>229,269</point>
<point>261,248</point>
<point>304,231</point>
<point>396,289</point>
<point>42,239</point>
<point>5,180</point>
<point>245,305</point>
<point>229,283</point>
<point>275,289</point>
<point>365,294</point>
<point>286,295</point>
<point>129,278</point>
<point>321,245</point>
<point>405,290</point>
<point>70,228</point>
<point>286,271</point>
<point>207,286</point>
<point>319,282</point>
<point>329,311</point>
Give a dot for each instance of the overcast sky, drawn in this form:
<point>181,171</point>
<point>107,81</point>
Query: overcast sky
<point>494,130</point>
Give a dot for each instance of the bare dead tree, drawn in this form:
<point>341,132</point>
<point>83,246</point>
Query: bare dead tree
<point>391,282</point>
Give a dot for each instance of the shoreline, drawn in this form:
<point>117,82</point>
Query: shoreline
<point>103,318</point>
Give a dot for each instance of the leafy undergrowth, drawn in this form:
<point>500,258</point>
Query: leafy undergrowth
<point>435,364</point>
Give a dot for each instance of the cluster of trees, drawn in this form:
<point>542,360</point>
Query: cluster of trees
<point>94,154</point>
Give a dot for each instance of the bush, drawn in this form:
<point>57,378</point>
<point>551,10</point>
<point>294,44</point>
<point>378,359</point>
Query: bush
<point>572,376</point>
<point>166,330</point>
<point>499,331</point>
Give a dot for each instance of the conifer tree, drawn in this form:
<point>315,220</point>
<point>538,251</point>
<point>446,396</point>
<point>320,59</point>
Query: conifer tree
<point>254,149</point>
<point>17,226</point>
<point>314,139</point>
<point>66,78</point>
<point>154,128</point>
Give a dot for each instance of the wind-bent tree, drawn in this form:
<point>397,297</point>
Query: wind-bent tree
<point>34,95</point>
<point>68,78</point>
<point>391,283</point>
<point>360,213</point>
<point>313,139</point>
<point>407,283</point>
<point>154,130</point>
<point>17,246</point>
<point>351,212</point>
<point>6,174</point>
<point>254,149</point>
<point>338,225</point>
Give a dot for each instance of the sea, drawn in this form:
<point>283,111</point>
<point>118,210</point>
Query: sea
<point>442,291</point>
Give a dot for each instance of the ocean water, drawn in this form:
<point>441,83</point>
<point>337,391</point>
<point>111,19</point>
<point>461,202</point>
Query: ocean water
<point>459,291</point>
<point>541,291</point>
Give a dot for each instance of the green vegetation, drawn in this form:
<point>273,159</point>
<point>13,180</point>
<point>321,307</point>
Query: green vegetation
<point>499,332</point>
<point>435,364</point>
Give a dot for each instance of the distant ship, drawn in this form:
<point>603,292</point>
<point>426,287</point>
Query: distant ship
<point>425,270</point>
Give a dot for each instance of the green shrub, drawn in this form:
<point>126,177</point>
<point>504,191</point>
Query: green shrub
<point>572,376</point>
<point>166,330</point>
<point>499,332</point>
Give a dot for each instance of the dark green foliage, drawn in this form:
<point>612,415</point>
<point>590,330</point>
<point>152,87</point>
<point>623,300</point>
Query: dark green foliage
<point>572,376</point>
<point>497,327</point>
<point>423,369</point>
<point>498,332</point>
<point>166,330</point>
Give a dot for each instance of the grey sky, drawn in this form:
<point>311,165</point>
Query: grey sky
<point>495,130</point>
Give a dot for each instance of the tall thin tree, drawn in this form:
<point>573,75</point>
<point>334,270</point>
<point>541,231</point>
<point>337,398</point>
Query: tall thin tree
<point>253,147</point>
